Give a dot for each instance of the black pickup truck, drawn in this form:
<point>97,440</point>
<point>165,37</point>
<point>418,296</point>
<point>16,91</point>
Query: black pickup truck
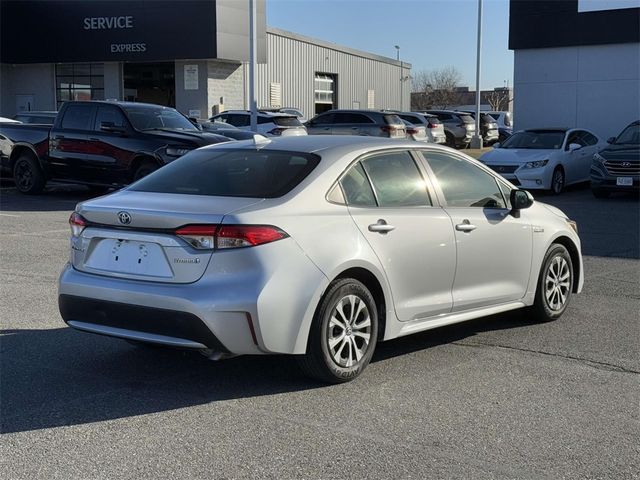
<point>99,144</point>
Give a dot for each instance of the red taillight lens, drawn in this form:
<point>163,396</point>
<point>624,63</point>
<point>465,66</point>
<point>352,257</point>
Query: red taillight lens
<point>77,223</point>
<point>201,237</point>
<point>432,125</point>
<point>208,237</point>
<point>234,236</point>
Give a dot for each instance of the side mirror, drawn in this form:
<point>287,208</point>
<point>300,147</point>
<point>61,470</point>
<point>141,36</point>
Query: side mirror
<point>574,146</point>
<point>520,199</point>
<point>611,140</point>
<point>112,128</point>
<point>496,145</point>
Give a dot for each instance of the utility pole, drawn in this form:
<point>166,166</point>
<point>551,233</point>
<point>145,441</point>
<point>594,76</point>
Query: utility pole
<point>253,44</point>
<point>476,141</point>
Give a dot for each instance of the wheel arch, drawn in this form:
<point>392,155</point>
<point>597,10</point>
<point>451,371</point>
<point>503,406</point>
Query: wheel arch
<point>20,149</point>
<point>575,257</point>
<point>139,159</point>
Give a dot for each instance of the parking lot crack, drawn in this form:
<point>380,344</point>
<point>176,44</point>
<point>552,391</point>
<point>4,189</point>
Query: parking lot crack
<point>592,363</point>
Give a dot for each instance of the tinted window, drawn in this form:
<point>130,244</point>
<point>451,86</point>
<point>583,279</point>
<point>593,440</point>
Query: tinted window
<point>323,119</point>
<point>109,114</point>
<point>157,118</point>
<point>629,136</point>
<point>589,139</point>
<point>351,118</point>
<point>467,119</point>
<point>575,137</point>
<point>392,120</point>
<point>534,140</point>
<point>464,184</point>
<point>443,116</point>
<point>239,120</point>
<point>231,173</point>
<point>286,121</point>
<point>77,117</point>
<point>356,188</point>
<point>396,180</point>
<point>411,119</point>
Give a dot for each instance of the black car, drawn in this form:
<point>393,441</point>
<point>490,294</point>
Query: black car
<point>99,144</point>
<point>617,167</point>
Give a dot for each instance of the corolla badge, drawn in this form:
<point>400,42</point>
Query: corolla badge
<point>124,218</point>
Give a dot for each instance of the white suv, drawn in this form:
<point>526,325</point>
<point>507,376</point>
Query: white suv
<point>269,123</point>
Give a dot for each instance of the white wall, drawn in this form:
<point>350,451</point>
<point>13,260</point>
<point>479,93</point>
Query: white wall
<point>594,87</point>
<point>37,80</point>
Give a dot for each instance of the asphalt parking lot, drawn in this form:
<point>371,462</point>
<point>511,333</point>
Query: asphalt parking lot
<point>494,398</point>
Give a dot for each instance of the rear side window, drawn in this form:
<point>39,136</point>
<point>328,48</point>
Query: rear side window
<point>396,180</point>
<point>464,184</point>
<point>240,120</point>
<point>77,117</point>
<point>356,188</point>
<point>231,173</point>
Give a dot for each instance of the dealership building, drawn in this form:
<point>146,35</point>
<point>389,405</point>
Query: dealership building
<point>576,64</point>
<point>189,54</point>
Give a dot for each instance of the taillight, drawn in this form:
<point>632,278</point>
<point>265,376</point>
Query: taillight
<point>412,131</point>
<point>234,236</point>
<point>201,237</point>
<point>208,237</point>
<point>77,223</point>
<point>432,125</point>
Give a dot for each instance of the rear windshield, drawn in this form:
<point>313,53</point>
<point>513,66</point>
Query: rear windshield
<point>287,121</point>
<point>231,173</point>
<point>467,119</point>
<point>434,120</point>
<point>393,120</point>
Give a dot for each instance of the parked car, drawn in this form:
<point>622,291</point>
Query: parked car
<point>39,118</point>
<point>616,168</point>
<point>269,123</point>
<point>373,123</point>
<point>289,110</point>
<point>226,130</point>
<point>314,246</point>
<point>433,126</point>
<point>459,127</point>
<point>417,133</point>
<point>100,144</point>
<point>503,119</point>
<point>488,128</point>
<point>546,158</point>
<point>504,133</point>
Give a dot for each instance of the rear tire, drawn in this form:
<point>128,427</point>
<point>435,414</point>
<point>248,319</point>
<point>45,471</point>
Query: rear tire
<point>28,176</point>
<point>144,169</point>
<point>343,333</point>
<point>555,285</point>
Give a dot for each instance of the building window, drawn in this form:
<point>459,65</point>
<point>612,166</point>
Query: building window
<point>79,81</point>
<point>324,92</point>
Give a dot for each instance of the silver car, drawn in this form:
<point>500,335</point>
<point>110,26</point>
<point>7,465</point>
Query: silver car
<point>314,246</point>
<point>370,123</point>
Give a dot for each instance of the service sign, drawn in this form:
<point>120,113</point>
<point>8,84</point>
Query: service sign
<point>101,31</point>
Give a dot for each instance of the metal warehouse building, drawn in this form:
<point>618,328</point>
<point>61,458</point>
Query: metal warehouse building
<point>189,54</point>
<point>576,64</point>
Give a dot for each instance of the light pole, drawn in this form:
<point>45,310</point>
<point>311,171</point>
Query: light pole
<point>253,44</point>
<point>476,141</point>
<point>397,47</point>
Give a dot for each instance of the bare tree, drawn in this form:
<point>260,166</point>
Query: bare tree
<point>435,88</point>
<point>499,100</point>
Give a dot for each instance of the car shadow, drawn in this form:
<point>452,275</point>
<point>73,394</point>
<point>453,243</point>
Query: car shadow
<point>58,377</point>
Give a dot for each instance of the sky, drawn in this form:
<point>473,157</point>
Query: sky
<point>431,33</point>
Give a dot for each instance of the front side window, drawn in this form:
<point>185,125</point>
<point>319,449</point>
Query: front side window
<point>464,184</point>
<point>577,138</point>
<point>109,115</point>
<point>396,180</point>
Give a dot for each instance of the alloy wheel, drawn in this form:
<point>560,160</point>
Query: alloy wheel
<point>557,283</point>
<point>557,183</point>
<point>23,175</point>
<point>349,331</point>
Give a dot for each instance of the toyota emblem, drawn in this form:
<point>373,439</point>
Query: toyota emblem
<point>124,218</point>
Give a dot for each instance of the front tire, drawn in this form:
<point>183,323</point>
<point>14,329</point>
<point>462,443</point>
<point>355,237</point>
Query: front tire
<point>28,176</point>
<point>557,181</point>
<point>555,285</point>
<point>343,333</point>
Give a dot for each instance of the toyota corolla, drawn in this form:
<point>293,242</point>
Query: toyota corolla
<point>315,246</point>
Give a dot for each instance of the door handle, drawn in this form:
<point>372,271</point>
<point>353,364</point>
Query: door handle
<point>465,226</point>
<point>381,227</point>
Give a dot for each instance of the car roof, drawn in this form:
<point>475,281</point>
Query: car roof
<point>260,112</point>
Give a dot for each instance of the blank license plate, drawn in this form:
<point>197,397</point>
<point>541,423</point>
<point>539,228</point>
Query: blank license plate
<point>131,257</point>
<point>624,181</point>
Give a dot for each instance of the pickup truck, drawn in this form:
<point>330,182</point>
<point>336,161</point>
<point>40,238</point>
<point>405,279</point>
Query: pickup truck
<point>99,144</point>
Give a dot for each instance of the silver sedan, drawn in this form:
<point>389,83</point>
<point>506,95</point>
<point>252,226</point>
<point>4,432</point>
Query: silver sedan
<point>315,246</point>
